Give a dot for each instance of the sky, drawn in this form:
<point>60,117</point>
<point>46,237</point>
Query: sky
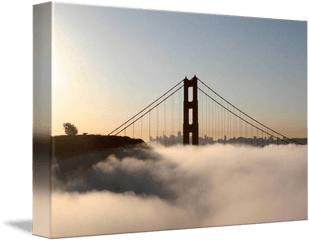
<point>109,63</point>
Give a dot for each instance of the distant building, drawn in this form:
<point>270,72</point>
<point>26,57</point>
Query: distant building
<point>179,134</point>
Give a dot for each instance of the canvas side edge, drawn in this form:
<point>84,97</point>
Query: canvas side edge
<point>42,66</point>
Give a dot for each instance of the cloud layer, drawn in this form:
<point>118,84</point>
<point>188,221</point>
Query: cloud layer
<point>183,187</point>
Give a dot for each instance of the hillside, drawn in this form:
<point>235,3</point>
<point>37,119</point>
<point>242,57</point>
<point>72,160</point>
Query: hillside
<point>90,143</point>
<point>81,152</point>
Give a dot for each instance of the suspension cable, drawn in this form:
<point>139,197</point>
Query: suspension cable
<point>146,107</point>
<point>149,110</point>
<point>245,120</point>
<point>246,114</point>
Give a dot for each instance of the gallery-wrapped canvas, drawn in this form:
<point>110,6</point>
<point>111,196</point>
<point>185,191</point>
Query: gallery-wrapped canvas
<point>154,120</point>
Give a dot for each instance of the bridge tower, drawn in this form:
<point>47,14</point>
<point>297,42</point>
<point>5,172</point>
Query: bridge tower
<point>190,128</point>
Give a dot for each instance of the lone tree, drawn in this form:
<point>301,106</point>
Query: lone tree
<point>70,129</point>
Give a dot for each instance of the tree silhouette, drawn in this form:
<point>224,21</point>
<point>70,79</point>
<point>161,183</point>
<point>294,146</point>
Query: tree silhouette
<point>70,129</point>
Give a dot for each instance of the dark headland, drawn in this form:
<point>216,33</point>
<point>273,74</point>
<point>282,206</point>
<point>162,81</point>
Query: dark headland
<point>91,143</point>
<point>81,152</point>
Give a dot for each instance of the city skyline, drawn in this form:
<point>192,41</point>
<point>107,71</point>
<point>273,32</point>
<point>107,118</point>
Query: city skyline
<point>204,140</point>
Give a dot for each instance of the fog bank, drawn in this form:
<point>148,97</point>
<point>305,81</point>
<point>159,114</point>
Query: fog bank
<point>184,187</point>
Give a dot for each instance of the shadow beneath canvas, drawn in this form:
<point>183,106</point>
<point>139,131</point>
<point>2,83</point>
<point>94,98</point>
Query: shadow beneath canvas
<point>23,225</point>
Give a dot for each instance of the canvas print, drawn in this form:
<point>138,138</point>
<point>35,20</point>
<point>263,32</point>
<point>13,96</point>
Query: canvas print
<point>169,120</point>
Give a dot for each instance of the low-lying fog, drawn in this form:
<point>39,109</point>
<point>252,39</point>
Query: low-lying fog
<point>183,187</point>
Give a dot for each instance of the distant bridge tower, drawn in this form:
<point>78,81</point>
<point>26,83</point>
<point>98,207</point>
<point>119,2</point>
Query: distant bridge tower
<point>190,128</point>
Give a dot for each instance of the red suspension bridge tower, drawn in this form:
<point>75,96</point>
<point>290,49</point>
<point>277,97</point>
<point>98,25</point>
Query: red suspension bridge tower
<point>187,127</point>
